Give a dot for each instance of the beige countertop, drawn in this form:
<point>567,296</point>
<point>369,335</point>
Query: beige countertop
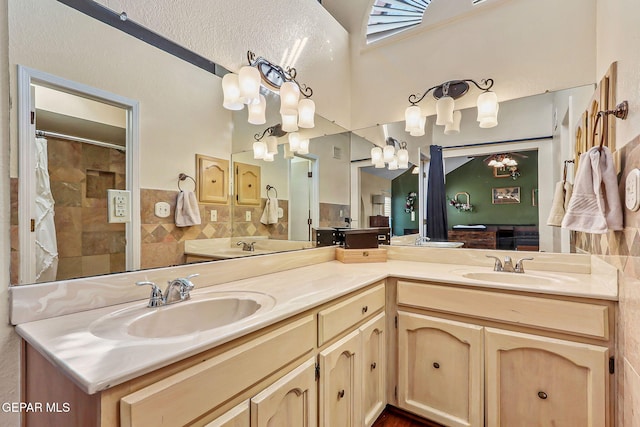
<point>96,363</point>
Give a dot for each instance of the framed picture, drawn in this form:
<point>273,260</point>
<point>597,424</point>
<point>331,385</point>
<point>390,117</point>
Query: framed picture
<point>505,195</point>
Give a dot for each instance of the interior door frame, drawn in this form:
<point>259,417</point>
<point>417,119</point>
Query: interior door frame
<point>26,162</point>
<point>315,191</point>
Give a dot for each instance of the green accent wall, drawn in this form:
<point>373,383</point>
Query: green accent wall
<point>400,189</point>
<point>477,179</point>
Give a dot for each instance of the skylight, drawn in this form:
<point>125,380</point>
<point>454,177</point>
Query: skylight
<point>389,17</point>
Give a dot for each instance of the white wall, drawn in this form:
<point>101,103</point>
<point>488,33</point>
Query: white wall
<point>371,184</point>
<point>274,173</point>
<point>334,173</point>
<point>526,46</point>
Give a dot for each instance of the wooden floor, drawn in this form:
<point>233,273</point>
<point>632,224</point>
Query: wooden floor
<point>394,417</point>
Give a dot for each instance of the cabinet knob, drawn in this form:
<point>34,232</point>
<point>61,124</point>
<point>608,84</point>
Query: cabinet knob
<point>542,395</point>
<point>436,365</point>
<point>340,394</point>
<point>365,309</point>
<point>373,366</point>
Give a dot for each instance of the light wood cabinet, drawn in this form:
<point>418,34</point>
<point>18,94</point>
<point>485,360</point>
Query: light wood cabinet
<point>340,382</point>
<point>289,402</point>
<point>537,381</point>
<point>247,184</point>
<point>374,368</point>
<point>236,417</point>
<point>440,369</point>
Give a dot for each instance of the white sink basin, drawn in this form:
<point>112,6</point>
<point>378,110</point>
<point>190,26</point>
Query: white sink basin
<point>202,313</point>
<point>513,278</point>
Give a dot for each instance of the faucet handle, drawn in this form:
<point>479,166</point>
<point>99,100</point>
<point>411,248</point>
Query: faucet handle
<point>155,299</point>
<point>519,268</point>
<point>498,264</point>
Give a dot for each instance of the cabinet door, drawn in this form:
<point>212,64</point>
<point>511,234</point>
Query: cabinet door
<point>248,191</point>
<point>236,417</point>
<point>340,383</point>
<point>537,381</point>
<point>373,369</point>
<point>440,369</point>
<point>289,402</point>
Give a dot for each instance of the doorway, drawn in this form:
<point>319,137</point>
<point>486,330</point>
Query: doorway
<point>304,207</point>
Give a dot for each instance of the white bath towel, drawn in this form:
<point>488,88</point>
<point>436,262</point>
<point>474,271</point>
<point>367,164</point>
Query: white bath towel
<point>270,213</point>
<point>595,205</point>
<point>45,228</point>
<point>187,209</point>
<point>560,203</point>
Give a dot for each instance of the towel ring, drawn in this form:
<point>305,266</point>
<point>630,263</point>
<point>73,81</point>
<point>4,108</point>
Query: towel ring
<point>182,177</point>
<point>271,187</point>
<point>621,111</point>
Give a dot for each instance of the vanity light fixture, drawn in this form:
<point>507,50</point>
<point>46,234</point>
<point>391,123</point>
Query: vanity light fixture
<point>265,146</point>
<point>395,159</point>
<point>244,89</point>
<point>446,114</point>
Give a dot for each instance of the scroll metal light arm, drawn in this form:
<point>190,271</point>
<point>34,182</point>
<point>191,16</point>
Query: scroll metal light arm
<point>456,87</point>
<point>266,69</point>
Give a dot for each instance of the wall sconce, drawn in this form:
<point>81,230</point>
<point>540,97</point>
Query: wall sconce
<point>244,89</point>
<point>394,159</point>
<point>446,115</point>
<point>462,207</point>
<point>265,146</point>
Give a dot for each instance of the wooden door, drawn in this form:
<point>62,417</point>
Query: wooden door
<point>536,381</point>
<point>213,176</point>
<point>289,402</point>
<point>236,417</point>
<point>440,369</point>
<point>248,191</point>
<point>374,369</point>
<point>340,383</point>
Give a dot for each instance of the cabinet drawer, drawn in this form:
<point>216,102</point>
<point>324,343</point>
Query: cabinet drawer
<point>201,388</point>
<point>341,316</point>
<point>576,318</point>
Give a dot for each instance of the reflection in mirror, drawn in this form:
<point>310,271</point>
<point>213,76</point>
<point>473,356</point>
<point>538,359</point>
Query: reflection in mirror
<point>539,127</point>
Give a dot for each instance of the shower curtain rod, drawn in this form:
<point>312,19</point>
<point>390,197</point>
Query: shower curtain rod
<point>43,133</point>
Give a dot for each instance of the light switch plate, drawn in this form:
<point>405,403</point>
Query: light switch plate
<point>214,215</point>
<point>162,209</point>
<point>118,206</point>
<point>247,216</point>
<point>631,189</point>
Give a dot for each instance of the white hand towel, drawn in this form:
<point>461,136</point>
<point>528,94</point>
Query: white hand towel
<point>270,213</point>
<point>595,205</point>
<point>187,209</point>
<point>560,203</point>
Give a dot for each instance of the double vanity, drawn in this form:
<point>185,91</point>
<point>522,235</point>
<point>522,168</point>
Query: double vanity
<point>301,339</point>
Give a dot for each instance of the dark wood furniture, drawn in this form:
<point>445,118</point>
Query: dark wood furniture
<point>474,239</point>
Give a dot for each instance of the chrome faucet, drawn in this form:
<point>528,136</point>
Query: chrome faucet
<point>420,240</point>
<point>178,290</point>
<point>508,264</point>
<point>249,247</point>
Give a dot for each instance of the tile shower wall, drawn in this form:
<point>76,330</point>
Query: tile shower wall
<point>622,249</point>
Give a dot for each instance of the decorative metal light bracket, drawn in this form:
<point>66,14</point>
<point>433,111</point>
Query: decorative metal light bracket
<point>274,75</point>
<point>275,130</point>
<point>453,88</point>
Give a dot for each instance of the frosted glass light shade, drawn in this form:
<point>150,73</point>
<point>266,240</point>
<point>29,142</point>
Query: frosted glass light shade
<point>294,141</point>
<point>289,97</point>
<point>376,155</point>
<point>403,156</point>
<point>268,157</point>
<point>231,91</point>
<point>488,107</point>
<point>379,165</point>
<point>259,150</point>
<point>272,144</point>
<point>444,110</point>
<point>403,165</point>
<point>420,130</point>
<point>257,112</point>
<point>388,152</point>
<point>454,126</point>
<point>306,113</point>
<point>249,82</point>
<point>304,146</point>
<point>289,122</point>
<point>393,164</point>
<point>412,118</point>
<point>288,154</point>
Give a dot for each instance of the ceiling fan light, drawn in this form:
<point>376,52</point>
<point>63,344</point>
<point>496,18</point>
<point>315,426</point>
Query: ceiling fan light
<point>412,118</point>
<point>306,113</point>
<point>231,92</point>
<point>453,127</point>
<point>257,112</point>
<point>289,97</point>
<point>249,83</point>
<point>444,110</point>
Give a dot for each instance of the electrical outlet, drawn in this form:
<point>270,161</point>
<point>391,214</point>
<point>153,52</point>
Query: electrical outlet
<point>162,209</point>
<point>214,215</point>
<point>247,216</point>
<point>119,206</point>
<point>632,190</point>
